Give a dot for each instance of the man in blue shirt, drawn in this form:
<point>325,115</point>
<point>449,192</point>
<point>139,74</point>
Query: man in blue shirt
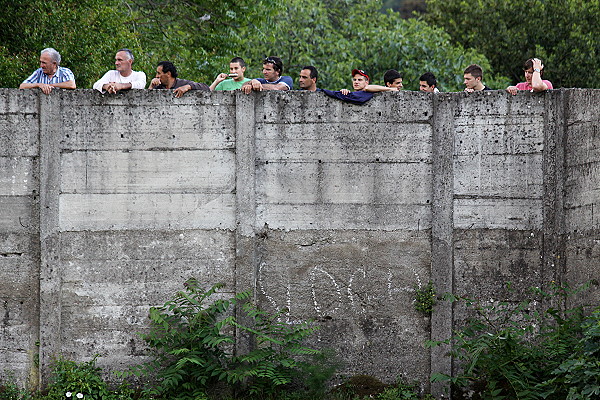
<point>50,75</point>
<point>272,70</point>
<point>363,90</point>
<point>308,78</point>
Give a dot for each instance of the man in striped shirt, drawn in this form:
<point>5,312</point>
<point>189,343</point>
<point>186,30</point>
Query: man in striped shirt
<point>50,75</point>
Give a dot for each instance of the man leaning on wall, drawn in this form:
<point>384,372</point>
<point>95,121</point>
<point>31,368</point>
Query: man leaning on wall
<point>428,83</point>
<point>308,78</point>
<point>50,75</point>
<point>273,80</point>
<point>166,78</point>
<point>237,69</point>
<point>360,81</point>
<point>123,77</point>
<point>473,79</point>
<point>393,79</point>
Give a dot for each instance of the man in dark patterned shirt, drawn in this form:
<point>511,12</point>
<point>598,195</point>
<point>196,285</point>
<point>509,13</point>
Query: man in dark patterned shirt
<point>166,78</point>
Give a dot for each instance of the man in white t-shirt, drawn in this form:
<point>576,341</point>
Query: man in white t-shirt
<point>123,77</point>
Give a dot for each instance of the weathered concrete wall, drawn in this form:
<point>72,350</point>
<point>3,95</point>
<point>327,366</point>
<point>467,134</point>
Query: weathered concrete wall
<point>337,212</point>
<point>581,227</point>
<point>19,233</point>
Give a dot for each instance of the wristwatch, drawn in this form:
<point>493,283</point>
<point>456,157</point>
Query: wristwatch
<point>536,70</point>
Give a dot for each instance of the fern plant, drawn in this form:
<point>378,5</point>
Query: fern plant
<point>194,339</point>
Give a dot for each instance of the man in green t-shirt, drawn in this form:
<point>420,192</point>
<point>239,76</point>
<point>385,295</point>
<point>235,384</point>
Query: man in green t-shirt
<point>237,67</point>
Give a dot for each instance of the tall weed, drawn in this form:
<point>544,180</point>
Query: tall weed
<point>516,352</point>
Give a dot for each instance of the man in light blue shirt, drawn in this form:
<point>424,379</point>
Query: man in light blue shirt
<point>50,75</point>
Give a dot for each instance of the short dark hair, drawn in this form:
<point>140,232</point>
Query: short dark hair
<point>529,64</point>
<point>313,72</point>
<point>167,66</point>
<point>277,63</point>
<point>391,75</point>
<point>238,60</point>
<point>429,78</point>
<point>474,70</point>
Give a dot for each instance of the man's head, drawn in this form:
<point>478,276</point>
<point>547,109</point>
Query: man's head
<point>308,78</point>
<point>360,79</point>
<point>124,61</point>
<point>272,68</point>
<point>237,68</point>
<point>528,68</point>
<point>49,61</point>
<point>166,72</point>
<point>427,82</point>
<point>393,78</point>
<point>473,75</point>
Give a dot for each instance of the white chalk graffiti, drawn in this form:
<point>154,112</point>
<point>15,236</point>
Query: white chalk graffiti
<point>358,293</point>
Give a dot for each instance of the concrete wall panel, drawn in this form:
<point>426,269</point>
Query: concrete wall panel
<point>352,282</point>
<point>358,141</point>
<point>497,213</point>
<point>343,183</point>
<point>486,260</point>
<point>277,107</point>
<point>17,176</point>
<point>146,211</point>
<point>19,124</point>
<point>344,216</point>
<point>150,120</point>
<point>581,194</point>
<point>148,172</point>
<point>502,176</point>
<point>17,214</point>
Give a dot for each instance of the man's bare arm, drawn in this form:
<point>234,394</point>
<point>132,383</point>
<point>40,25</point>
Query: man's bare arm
<point>275,86</point>
<point>379,88</point>
<point>65,85</point>
<point>44,87</point>
<point>220,78</point>
<point>537,83</point>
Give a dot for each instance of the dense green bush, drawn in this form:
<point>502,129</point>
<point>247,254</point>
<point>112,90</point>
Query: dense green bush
<point>70,380</point>
<point>514,351</point>
<point>195,338</point>
<point>74,378</point>
<point>9,390</point>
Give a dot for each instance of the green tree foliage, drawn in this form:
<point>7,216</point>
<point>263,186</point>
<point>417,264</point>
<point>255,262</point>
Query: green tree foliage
<point>200,36</point>
<point>563,33</point>
<point>86,33</point>
<point>337,36</point>
<point>406,8</point>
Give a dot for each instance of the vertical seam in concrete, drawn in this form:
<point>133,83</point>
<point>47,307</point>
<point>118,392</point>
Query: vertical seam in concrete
<point>561,176</point>
<point>553,173</point>
<point>442,253</point>
<point>35,373</point>
<point>245,273</point>
<point>50,270</point>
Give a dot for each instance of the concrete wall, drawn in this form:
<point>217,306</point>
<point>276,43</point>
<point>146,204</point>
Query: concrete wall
<point>337,212</point>
<point>581,187</point>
